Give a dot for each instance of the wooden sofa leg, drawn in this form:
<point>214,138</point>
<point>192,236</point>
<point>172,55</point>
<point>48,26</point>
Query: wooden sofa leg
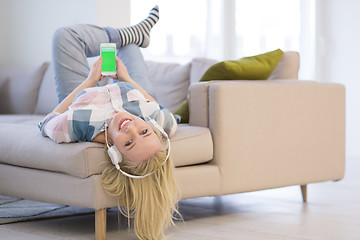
<point>304,192</point>
<point>100,224</point>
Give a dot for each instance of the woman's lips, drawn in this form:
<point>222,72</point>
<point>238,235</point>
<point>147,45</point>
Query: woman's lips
<point>124,122</point>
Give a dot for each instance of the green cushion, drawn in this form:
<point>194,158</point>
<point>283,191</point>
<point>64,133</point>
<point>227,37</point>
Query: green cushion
<point>258,67</point>
<point>183,111</point>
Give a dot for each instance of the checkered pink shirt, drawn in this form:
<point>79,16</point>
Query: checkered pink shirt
<point>86,116</point>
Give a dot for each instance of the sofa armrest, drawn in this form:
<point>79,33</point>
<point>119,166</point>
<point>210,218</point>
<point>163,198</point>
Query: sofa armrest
<point>274,133</point>
<point>199,104</point>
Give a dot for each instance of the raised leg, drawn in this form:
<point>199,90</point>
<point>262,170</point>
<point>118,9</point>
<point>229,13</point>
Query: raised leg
<point>70,48</point>
<point>304,192</point>
<point>74,44</point>
<point>100,224</point>
<point>136,66</point>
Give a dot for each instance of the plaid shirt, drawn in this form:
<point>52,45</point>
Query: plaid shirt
<point>86,116</point>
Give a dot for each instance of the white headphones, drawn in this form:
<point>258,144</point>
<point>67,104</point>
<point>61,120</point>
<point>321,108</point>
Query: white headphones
<point>116,157</point>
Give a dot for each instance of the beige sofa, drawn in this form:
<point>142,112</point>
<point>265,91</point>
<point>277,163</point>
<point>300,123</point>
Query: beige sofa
<point>242,136</point>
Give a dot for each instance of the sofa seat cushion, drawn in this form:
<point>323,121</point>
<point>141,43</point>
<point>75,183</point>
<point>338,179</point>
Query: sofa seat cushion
<point>23,145</point>
<point>191,145</point>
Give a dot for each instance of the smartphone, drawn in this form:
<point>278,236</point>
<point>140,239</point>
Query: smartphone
<point>108,51</point>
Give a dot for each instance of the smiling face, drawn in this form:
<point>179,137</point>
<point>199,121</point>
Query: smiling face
<point>134,138</point>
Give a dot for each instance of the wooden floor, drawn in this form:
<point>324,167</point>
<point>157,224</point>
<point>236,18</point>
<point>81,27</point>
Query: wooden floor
<point>332,213</point>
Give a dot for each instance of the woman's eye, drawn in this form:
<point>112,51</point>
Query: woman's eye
<point>127,143</point>
<point>143,132</point>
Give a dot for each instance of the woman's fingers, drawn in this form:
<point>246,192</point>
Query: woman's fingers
<point>121,71</point>
<point>95,72</point>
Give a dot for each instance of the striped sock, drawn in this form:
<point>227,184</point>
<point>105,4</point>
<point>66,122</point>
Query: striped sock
<point>139,34</point>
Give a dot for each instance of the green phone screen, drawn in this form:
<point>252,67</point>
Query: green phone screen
<point>108,55</point>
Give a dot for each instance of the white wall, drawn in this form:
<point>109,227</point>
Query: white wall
<point>338,49</point>
<point>26,27</point>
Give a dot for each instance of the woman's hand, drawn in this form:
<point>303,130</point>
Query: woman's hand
<point>121,71</point>
<point>95,72</point>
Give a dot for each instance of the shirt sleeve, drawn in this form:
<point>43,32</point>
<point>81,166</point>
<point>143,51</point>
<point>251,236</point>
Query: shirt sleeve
<point>166,120</point>
<point>55,127</point>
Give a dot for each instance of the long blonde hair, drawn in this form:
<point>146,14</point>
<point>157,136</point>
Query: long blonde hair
<point>151,201</point>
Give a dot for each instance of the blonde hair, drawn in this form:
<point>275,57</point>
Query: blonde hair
<point>152,200</point>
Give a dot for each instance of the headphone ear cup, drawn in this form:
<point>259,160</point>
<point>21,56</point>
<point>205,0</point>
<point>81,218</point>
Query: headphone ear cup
<point>115,155</point>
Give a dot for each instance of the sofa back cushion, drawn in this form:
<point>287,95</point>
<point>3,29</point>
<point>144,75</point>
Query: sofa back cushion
<point>19,88</point>
<point>288,67</point>
<point>170,82</point>
<point>47,99</point>
<point>199,67</point>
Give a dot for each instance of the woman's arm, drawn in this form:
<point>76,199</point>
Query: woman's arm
<point>91,81</point>
<point>123,75</point>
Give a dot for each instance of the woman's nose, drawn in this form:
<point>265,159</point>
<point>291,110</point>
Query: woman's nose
<point>130,128</point>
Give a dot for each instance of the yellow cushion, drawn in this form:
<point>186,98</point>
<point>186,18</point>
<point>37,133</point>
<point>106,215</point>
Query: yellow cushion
<point>183,111</point>
<point>258,67</point>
